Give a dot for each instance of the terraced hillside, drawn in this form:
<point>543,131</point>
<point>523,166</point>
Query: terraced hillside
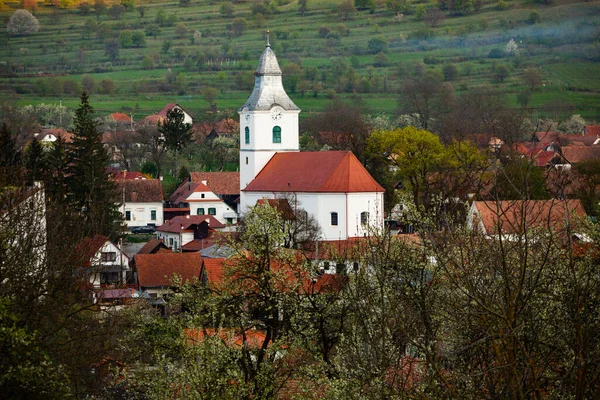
<point>204,53</point>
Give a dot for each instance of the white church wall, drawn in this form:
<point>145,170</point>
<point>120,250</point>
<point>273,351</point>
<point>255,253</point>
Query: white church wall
<point>371,203</point>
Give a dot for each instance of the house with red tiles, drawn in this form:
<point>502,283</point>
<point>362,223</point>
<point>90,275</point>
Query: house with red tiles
<point>102,262</point>
<point>156,273</point>
<point>201,200</point>
<point>333,186</point>
<point>177,233</point>
<point>187,117</point>
<point>141,201</point>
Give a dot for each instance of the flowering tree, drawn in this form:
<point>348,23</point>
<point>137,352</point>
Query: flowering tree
<point>22,23</point>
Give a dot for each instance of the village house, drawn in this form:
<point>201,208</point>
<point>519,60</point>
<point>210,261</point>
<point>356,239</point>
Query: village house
<point>226,185</point>
<point>103,264</point>
<point>200,200</point>
<point>510,218</point>
<point>180,231</point>
<point>332,186</point>
<point>142,201</point>
<point>157,273</point>
<point>187,117</point>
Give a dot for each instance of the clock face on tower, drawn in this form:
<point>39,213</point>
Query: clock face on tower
<point>276,113</point>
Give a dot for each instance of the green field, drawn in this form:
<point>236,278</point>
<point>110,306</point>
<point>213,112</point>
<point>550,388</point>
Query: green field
<point>207,52</point>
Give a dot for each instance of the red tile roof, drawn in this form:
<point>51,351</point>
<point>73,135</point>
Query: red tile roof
<point>514,216</point>
<point>140,190</point>
<point>129,175</point>
<point>186,189</point>
<point>153,119</point>
<point>88,247</point>
<point>121,117</point>
<point>174,225</point>
<point>592,129</point>
<point>221,183</point>
<point>153,246</point>
<point>282,205</point>
<point>230,337</point>
<point>169,107</point>
<point>319,171</point>
<point>157,270</point>
<point>575,154</point>
<point>214,268</point>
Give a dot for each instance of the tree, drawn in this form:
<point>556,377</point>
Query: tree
<point>90,192</point>
<point>501,73</point>
<point>116,10</point>
<point>99,8</point>
<point>154,143</point>
<point>226,9</point>
<point>108,86</point>
<point>450,72</point>
<point>22,23</point>
<point>532,78</point>
<point>364,4</point>
<point>434,16</point>
<point>126,39</point>
<point>377,45</point>
<point>10,157</point>
<point>184,3</point>
<point>138,39</point>
<point>534,17</point>
<point>89,27</point>
<point>397,6</point>
<point>302,6</point>
<point>177,133</point>
<point>237,27</point>
<point>210,95</point>
<point>128,5</point>
<point>573,125</point>
<point>34,162</point>
<point>346,9</point>
<point>111,49</point>
<point>152,30</point>
<point>166,46</point>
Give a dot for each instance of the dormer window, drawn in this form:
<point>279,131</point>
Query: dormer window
<point>247,135</point>
<point>276,134</point>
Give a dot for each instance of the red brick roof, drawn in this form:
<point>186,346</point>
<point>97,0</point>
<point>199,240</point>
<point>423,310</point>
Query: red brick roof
<point>592,129</point>
<point>174,225</point>
<point>515,216</point>
<point>140,190</point>
<point>319,171</point>
<point>575,154</point>
<point>157,270</point>
<point>221,183</point>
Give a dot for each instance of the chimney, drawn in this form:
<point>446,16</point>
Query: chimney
<point>187,216</point>
<point>205,182</point>
<point>124,173</point>
<point>134,196</point>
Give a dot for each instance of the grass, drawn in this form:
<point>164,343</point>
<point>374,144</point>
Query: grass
<point>562,47</point>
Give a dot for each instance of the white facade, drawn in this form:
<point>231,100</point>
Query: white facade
<point>208,203</point>
<point>108,266</point>
<point>357,213</point>
<point>175,240</point>
<point>141,214</point>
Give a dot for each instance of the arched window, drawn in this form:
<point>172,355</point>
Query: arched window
<point>276,134</point>
<point>247,132</point>
<point>364,218</point>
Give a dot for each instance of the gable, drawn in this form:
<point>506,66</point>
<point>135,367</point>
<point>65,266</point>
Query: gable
<point>319,171</point>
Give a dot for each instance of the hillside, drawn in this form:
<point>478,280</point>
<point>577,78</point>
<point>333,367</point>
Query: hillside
<point>160,51</point>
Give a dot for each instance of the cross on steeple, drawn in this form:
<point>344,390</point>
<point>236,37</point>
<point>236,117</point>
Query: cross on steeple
<point>268,34</point>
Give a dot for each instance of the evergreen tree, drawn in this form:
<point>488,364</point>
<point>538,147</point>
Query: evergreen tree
<point>177,133</point>
<point>90,191</point>
<point>34,162</point>
<point>10,158</point>
<point>56,165</point>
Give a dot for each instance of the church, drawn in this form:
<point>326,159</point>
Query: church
<point>333,186</point>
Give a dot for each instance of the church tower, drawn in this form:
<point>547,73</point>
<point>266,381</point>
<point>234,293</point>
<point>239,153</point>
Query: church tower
<point>268,121</point>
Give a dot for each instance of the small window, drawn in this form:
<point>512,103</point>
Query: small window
<point>153,215</point>
<point>170,241</point>
<point>247,134</point>
<point>364,218</point>
<point>109,256</point>
<point>127,215</point>
<point>246,160</point>
<point>200,211</point>
<point>276,134</point>
<point>334,218</point>
<point>212,211</point>
<point>201,195</point>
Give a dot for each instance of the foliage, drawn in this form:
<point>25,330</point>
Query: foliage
<point>177,134</point>
<point>22,23</point>
<point>90,192</point>
<point>573,125</point>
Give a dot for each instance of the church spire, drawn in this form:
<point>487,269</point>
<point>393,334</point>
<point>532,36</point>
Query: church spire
<point>268,33</point>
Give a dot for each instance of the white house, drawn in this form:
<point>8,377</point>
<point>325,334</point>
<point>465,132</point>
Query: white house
<point>179,231</point>
<point>200,200</point>
<point>333,186</point>
<point>103,262</point>
<point>187,117</point>
<point>142,201</point>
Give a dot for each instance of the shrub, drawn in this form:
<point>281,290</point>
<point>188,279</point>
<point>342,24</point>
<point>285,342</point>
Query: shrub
<point>534,17</point>
<point>450,72</point>
<point>377,45</point>
<point>22,23</point>
<point>496,53</point>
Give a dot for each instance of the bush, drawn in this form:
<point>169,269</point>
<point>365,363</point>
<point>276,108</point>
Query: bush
<point>450,72</point>
<point>324,31</point>
<point>381,60</point>
<point>377,45</point>
<point>496,53</point>
<point>502,5</point>
<point>22,23</point>
<point>534,17</point>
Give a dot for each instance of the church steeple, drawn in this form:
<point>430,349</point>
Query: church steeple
<point>268,86</point>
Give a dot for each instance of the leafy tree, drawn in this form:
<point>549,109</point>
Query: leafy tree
<point>177,133</point>
<point>108,86</point>
<point>184,3</point>
<point>534,17</point>
<point>141,10</point>
<point>138,39</point>
<point>129,5</point>
<point>397,6</point>
<point>152,30</point>
<point>532,78</point>
<point>99,8</point>
<point>210,95</point>
<point>501,73</point>
<point>434,16</point>
<point>181,30</point>
<point>184,175</point>
<point>302,6</point>
<point>116,10</point>
<point>377,45</point>
<point>126,39</point>
<point>346,9</point>
<point>166,46</point>
<point>364,4</point>
<point>89,27</point>
<point>573,125</point>
<point>450,72</point>
<point>587,183</point>
<point>381,60</point>
<point>226,9</point>
<point>22,23</point>
<point>90,191</point>
<point>520,180</point>
<point>111,49</point>
<point>237,27</point>
<point>154,143</point>
<point>420,12</point>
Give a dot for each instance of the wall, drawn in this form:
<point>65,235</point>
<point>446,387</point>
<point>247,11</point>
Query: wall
<point>140,213</point>
<point>98,267</point>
